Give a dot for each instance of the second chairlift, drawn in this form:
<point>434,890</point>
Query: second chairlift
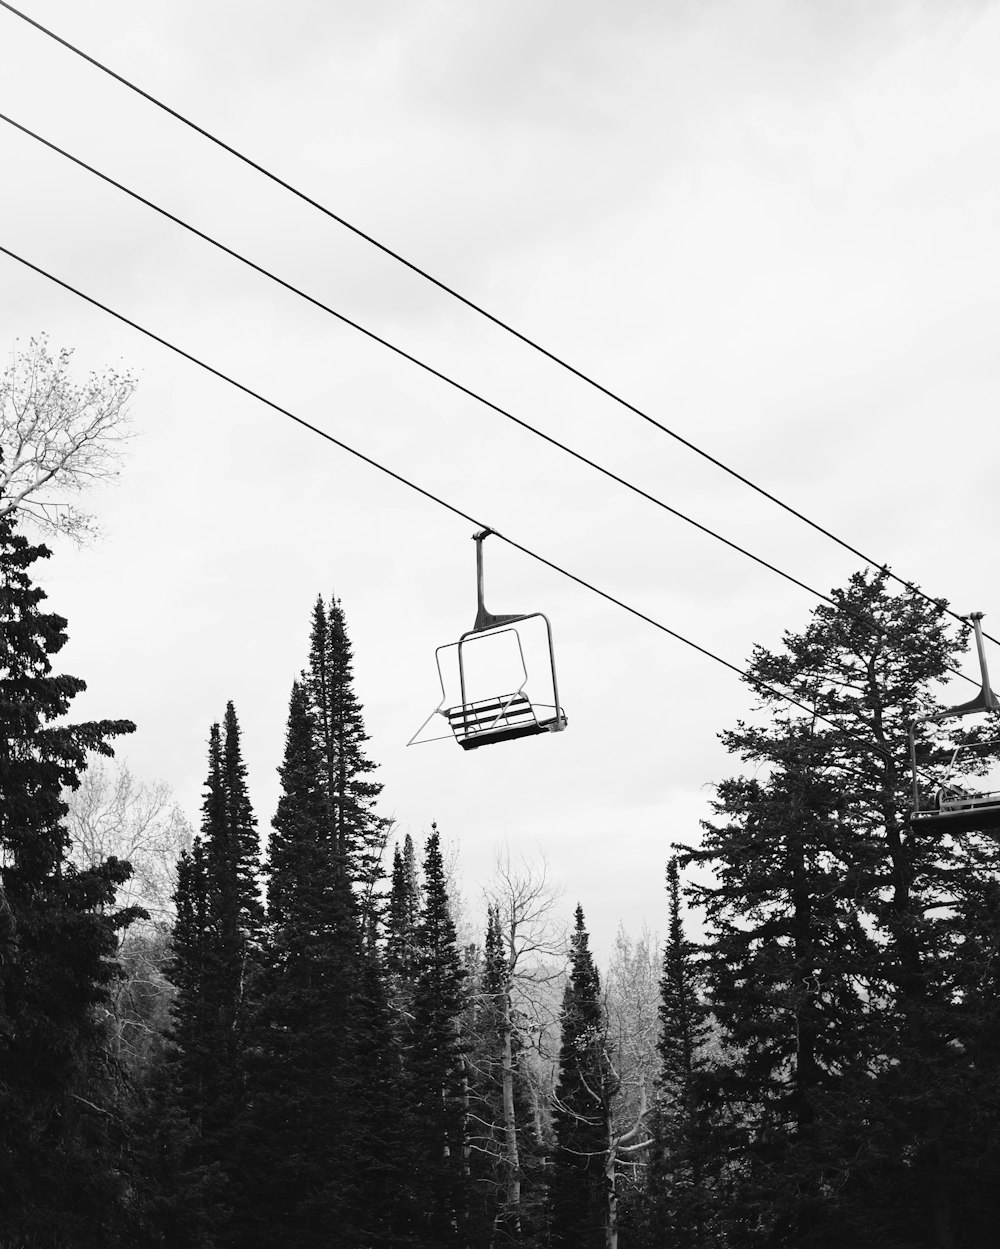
<point>955,807</point>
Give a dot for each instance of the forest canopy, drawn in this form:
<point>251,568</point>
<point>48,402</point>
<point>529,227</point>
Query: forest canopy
<point>309,1042</point>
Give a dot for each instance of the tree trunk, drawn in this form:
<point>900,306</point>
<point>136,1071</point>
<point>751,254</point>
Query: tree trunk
<point>511,1213</point>
<point>611,1197</point>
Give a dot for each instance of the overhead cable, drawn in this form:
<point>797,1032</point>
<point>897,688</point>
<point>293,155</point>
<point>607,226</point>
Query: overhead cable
<point>430,369</point>
<point>755,682</point>
<point>481,311</point>
<point>408,356</point>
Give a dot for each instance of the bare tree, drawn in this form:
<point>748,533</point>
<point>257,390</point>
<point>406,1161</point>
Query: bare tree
<point>113,813</point>
<point>615,1091</point>
<point>632,996</point>
<point>524,1009</point>
<point>58,436</point>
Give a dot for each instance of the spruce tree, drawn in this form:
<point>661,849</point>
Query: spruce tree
<point>578,1194</point>
<point>402,915</point>
<point>838,940</point>
<point>318,1160</point>
<point>59,1178</point>
<point>193,1034</point>
<point>234,854</point>
<point>357,832</point>
<point>436,1069</point>
<point>181,1189</point>
<point>214,952</point>
<point>679,1189</point>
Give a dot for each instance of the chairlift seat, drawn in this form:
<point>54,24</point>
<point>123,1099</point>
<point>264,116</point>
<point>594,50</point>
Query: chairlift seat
<point>969,813</point>
<point>499,719</point>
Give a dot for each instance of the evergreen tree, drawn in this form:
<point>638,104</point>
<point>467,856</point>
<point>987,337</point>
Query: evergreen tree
<point>214,949</point>
<point>435,1067</point>
<point>302,1158</point>
<point>323,1155</point>
<point>358,834</point>
<point>193,1034</point>
<point>579,1196</point>
<point>678,1179</point>
<point>234,854</point>
<point>402,915</point>
<point>59,1179</point>
<point>838,939</point>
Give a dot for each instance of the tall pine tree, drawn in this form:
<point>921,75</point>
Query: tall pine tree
<point>581,1115</point>
<point>357,832</point>
<point>59,1182</point>
<point>838,941</point>
<point>435,1068</point>
<point>678,1180</point>
<point>303,1159</point>
<point>215,945</point>
<point>402,915</point>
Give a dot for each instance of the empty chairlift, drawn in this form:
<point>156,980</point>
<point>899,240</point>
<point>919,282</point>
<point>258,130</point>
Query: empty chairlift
<point>492,652</point>
<point>960,804</point>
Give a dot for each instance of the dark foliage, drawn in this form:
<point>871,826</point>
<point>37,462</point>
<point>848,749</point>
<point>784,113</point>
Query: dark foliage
<point>682,1179</point>
<point>60,1182</point>
<point>579,1197</point>
<point>436,1088</point>
<point>845,955</point>
<point>402,916</point>
<point>358,833</point>
<point>214,955</point>
<point>319,1149</point>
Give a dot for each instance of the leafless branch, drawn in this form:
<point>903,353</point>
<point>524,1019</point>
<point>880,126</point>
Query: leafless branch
<point>58,433</point>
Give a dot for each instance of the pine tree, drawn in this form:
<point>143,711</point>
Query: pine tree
<point>234,855</point>
<point>59,1183</point>
<point>836,959</point>
<point>435,1067</point>
<point>358,834</point>
<point>324,1156</point>
<point>181,1189</point>
<point>402,915</point>
<point>678,1181</point>
<point>301,1160</point>
<point>193,1034</point>
<point>579,1196</point>
<point>215,944</point>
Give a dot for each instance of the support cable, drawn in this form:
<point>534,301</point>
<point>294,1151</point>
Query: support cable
<point>755,682</point>
<point>427,368</point>
<point>483,312</point>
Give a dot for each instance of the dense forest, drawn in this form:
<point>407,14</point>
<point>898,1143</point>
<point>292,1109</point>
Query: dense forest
<point>298,1048</point>
<point>297,1036</point>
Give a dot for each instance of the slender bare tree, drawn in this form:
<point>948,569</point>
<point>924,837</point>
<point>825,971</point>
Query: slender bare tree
<point>525,1009</point>
<point>58,436</point>
<point>631,1012</point>
<point>114,813</point>
<point>614,1091</point>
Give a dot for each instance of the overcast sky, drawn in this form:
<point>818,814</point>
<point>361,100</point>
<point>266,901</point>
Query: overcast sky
<point>772,226</point>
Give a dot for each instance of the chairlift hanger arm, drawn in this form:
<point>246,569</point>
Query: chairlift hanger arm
<point>486,619</point>
<point>986,699</point>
